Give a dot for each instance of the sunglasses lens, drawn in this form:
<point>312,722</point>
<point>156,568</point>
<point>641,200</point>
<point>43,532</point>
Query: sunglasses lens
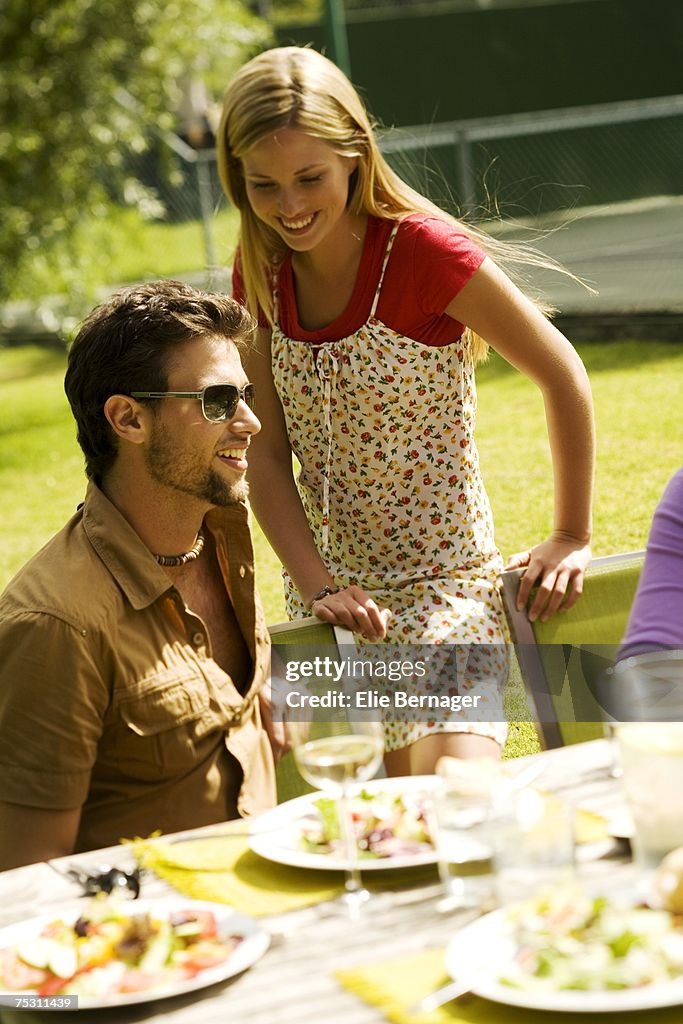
<point>221,400</point>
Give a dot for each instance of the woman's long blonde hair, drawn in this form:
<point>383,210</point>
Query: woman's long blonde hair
<point>296,87</point>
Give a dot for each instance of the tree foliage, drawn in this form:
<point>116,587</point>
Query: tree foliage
<point>65,134</point>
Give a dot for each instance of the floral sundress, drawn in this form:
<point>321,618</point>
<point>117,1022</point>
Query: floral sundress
<point>382,427</point>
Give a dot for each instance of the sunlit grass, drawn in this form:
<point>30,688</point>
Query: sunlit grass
<point>638,391</point>
<point>122,247</point>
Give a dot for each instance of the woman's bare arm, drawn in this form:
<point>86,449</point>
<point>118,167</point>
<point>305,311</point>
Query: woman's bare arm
<point>493,307</point>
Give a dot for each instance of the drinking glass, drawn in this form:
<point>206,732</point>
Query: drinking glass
<point>333,752</point>
<point>534,845</point>
<point>652,763</point>
<point>469,801</point>
<point>615,771</point>
<point>464,845</point>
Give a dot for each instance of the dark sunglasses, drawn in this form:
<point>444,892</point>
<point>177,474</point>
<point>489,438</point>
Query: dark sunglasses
<point>219,401</point>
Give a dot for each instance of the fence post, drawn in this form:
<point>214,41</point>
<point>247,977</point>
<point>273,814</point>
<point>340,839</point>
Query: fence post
<point>206,203</point>
<point>463,157</point>
<point>335,31</point>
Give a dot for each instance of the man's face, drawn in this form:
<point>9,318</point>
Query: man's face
<point>187,453</point>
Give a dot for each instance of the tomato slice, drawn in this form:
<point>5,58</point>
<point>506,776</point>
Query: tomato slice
<point>204,958</point>
<point>207,928</point>
<point>52,985</point>
<point>17,975</point>
<point>143,981</point>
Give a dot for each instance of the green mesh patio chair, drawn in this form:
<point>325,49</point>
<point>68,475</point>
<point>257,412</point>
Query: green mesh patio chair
<point>304,639</point>
<point>560,659</point>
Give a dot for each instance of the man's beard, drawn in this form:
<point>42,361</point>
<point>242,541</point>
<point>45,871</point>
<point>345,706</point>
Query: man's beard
<point>179,470</point>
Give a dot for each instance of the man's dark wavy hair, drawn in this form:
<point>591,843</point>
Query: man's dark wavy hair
<point>124,345</point>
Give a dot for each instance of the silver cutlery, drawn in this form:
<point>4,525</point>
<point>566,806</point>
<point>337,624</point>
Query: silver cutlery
<point>104,879</point>
<point>524,777</point>
<point>442,995</point>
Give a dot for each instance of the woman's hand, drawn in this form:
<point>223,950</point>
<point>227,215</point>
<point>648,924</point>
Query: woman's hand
<point>559,564</point>
<point>354,608</point>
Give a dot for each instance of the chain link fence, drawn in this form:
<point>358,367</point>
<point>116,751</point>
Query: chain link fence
<point>529,164</point>
<point>513,168</point>
<point>518,166</point>
<point>283,13</point>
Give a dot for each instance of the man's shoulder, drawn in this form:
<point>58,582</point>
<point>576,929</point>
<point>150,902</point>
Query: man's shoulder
<point>64,580</point>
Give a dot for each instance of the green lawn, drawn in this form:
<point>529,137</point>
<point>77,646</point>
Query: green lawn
<point>638,389</point>
<point>123,247</point>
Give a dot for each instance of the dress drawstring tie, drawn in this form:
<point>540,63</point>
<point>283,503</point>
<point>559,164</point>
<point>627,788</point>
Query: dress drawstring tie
<point>326,365</point>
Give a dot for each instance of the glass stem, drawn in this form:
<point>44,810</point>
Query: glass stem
<point>352,879</point>
<point>615,758</point>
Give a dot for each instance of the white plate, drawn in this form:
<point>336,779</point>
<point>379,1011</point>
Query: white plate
<point>276,835</point>
<point>255,941</point>
<point>482,950</point>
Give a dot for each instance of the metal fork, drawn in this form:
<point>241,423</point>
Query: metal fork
<point>105,879</point>
<point>445,994</point>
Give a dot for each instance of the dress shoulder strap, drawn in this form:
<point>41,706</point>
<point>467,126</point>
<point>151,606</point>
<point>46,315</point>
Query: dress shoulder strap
<point>387,254</point>
<point>275,290</point>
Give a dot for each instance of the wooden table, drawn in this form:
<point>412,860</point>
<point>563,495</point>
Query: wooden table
<point>293,982</point>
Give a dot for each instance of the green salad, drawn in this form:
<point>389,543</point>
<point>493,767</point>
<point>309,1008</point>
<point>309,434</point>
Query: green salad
<point>566,939</point>
<point>385,825</point>
<point>115,948</point>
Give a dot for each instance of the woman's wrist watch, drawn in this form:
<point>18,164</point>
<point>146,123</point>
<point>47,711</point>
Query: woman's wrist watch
<point>325,591</point>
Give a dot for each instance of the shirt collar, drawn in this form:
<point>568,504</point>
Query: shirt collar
<point>127,557</point>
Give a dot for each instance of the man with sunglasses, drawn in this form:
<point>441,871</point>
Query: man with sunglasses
<point>133,648</point>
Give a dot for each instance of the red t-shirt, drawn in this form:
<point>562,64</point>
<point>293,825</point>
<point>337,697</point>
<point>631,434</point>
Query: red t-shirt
<point>429,264</point>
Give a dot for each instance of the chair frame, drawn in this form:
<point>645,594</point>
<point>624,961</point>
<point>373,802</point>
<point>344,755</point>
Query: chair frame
<point>289,782</point>
<point>533,671</point>
<point>342,635</point>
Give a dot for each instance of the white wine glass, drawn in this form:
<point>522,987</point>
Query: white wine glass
<point>332,752</point>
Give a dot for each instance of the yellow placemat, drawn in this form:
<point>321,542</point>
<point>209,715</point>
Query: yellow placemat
<point>394,986</point>
<point>224,869</point>
<point>589,826</point>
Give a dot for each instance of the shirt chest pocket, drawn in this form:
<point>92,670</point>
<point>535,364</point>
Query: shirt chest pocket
<point>167,729</point>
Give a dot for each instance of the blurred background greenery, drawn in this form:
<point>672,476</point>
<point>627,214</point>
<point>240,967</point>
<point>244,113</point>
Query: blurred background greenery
<point>109,109</point>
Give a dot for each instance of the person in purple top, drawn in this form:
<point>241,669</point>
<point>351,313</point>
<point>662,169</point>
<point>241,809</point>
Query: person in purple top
<point>656,619</point>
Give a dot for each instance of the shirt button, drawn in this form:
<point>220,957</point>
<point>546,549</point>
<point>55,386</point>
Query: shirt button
<point>197,639</point>
<point>243,571</point>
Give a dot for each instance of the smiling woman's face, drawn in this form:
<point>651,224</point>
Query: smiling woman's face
<point>299,186</point>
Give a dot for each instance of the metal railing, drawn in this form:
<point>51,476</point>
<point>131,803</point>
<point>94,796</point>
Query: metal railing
<point>577,155</point>
<point>462,135</point>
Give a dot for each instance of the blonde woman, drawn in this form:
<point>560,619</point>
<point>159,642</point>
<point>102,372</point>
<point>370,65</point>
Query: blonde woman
<point>373,306</point>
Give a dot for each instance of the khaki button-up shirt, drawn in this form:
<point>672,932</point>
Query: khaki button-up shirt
<point>109,699</point>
